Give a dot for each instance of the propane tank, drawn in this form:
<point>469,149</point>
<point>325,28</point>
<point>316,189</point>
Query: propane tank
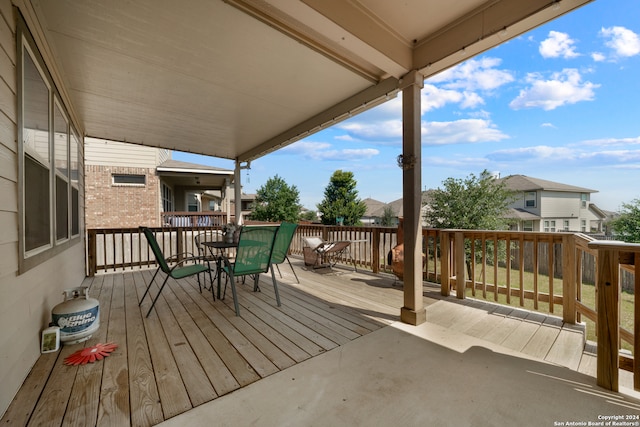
<point>78,316</point>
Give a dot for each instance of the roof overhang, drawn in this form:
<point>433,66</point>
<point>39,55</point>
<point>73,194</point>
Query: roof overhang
<point>237,79</point>
<point>192,176</point>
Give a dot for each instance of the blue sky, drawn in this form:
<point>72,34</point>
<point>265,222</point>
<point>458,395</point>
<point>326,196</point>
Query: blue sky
<point>560,103</point>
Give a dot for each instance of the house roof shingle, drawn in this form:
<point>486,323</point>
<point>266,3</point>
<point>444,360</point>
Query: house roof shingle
<point>527,183</point>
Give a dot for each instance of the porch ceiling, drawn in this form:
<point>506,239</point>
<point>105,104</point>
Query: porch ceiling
<point>239,78</point>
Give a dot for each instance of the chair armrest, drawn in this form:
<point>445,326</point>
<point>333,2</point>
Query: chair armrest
<point>190,257</point>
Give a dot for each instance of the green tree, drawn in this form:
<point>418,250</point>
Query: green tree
<point>473,203</point>
<point>308,216</point>
<point>276,201</point>
<point>627,225</point>
<point>341,200</point>
<point>387,216</point>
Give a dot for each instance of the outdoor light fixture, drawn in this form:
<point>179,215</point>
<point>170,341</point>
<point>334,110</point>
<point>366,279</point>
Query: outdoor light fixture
<point>406,162</point>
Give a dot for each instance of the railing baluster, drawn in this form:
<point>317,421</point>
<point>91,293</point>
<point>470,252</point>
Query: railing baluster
<point>636,322</point>
<point>507,261</point>
<point>495,267</point>
<point>551,272</point>
<point>536,249</point>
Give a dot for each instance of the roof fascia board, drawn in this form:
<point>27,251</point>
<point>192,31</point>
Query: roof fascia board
<point>486,27</point>
<point>355,20</point>
<point>200,171</point>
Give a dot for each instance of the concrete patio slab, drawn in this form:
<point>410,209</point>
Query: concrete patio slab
<point>425,375</point>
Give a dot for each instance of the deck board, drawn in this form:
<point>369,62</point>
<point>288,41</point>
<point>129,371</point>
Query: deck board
<point>193,349</point>
<point>145,400</point>
<point>85,395</point>
<point>171,389</point>
<point>114,394</point>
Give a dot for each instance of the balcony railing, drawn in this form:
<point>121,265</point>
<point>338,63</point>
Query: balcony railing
<point>566,274</point>
<point>193,219</point>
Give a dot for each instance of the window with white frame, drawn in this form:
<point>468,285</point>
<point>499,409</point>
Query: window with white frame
<point>167,198</point>
<point>583,225</point>
<point>61,156</point>
<point>549,226</point>
<point>530,199</point>
<point>566,225</point>
<point>49,162</point>
<point>584,199</point>
<point>527,225</point>
<point>36,149</point>
<point>193,202</point>
<point>74,158</point>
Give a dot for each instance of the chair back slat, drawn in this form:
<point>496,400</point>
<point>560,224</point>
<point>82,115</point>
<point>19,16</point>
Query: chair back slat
<point>157,252</point>
<point>206,236</point>
<point>254,249</point>
<point>283,241</point>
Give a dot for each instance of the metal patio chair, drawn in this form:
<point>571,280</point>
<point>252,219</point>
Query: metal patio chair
<point>281,247</point>
<point>253,256</point>
<point>318,253</point>
<point>178,271</point>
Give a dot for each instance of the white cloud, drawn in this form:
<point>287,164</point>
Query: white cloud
<point>548,125</point>
<point>458,162</point>
<point>324,151</point>
<point>379,130</point>
<point>464,131</point>
<point>565,87</point>
<point>598,57</point>
<point>607,142</point>
<point>539,152</point>
<point>564,154</point>
<point>558,45</point>
<point>461,132</point>
<point>623,41</point>
<point>475,74</point>
<point>434,97</point>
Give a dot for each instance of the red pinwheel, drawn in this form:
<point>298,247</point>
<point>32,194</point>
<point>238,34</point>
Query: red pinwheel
<point>90,354</point>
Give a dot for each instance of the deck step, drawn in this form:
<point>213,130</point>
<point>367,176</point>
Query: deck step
<point>533,334</point>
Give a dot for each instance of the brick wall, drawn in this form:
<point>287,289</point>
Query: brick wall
<point>109,205</point>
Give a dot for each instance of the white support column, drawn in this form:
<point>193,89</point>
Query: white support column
<point>413,312</point>
<point>226,201</point>
<point>237,192</point>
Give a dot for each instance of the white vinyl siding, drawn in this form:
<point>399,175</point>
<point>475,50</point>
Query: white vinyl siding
<point>118,154</point>
<point>557,204</point>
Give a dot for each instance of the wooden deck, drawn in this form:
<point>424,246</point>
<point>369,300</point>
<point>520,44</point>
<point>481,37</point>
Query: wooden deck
<point>192,350</point>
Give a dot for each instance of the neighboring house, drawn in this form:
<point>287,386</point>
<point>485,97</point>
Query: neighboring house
<point>374,212</point>
<point>375,209</point>
<point>549,206</point>
<point>542,205</point>
<point>246,201</point>
<point>128,185</point>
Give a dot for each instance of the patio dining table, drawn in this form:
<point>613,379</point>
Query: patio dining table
<point>217,249</point>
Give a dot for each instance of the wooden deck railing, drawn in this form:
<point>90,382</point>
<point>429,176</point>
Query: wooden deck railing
<point>611,257</point>
<point>194,219</point>
<point>549,272</point>
<point>113,249</point>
